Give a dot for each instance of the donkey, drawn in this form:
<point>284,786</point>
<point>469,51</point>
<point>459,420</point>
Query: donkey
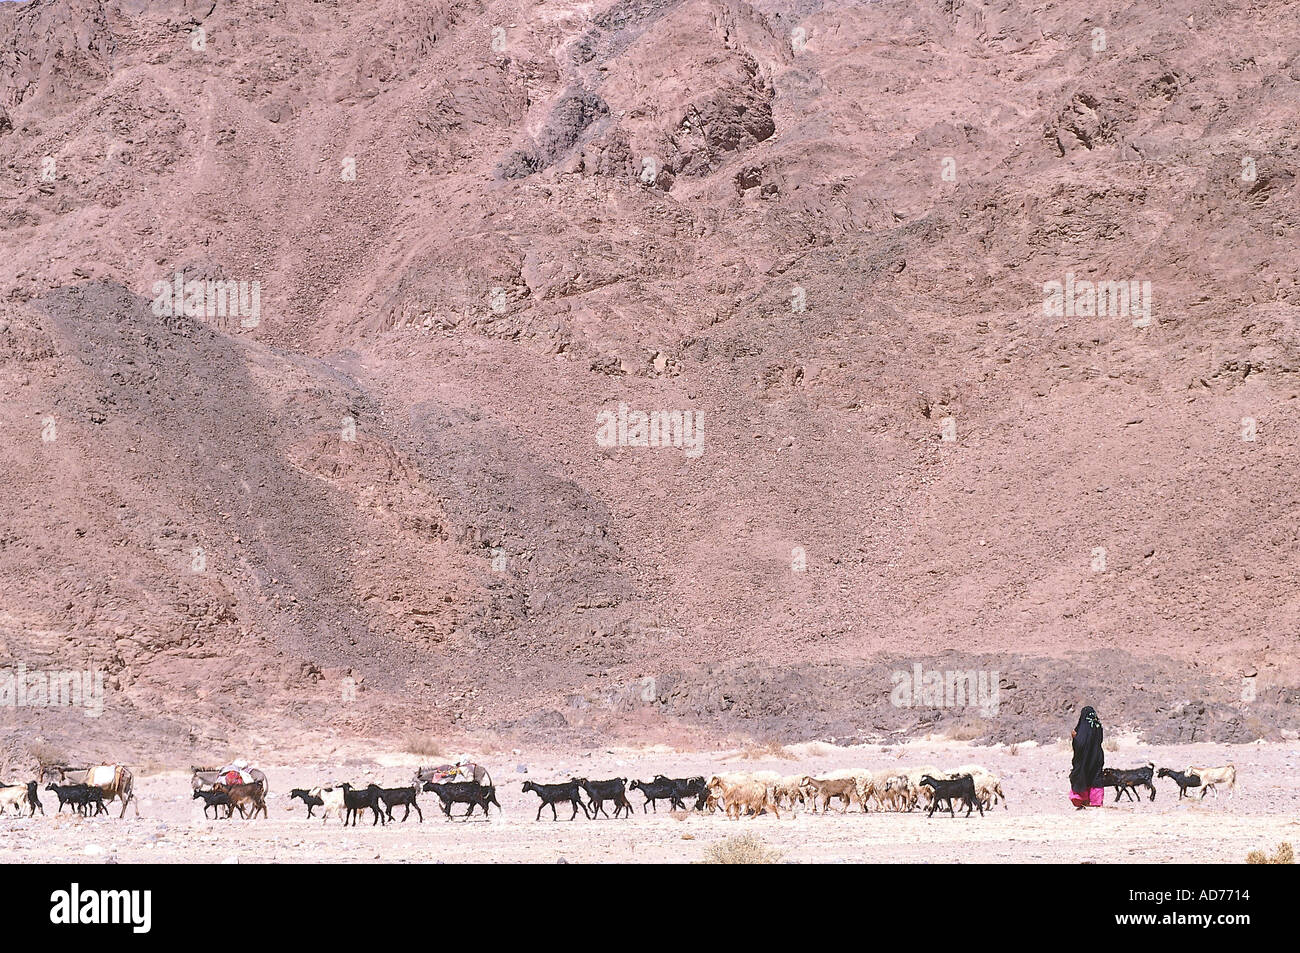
<point>204,779</point>
<point>447,773</point>
<point>114,780</point>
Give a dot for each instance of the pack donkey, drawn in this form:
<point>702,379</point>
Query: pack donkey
<point>114,780</point>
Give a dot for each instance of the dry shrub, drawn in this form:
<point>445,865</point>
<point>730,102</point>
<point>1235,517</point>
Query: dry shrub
<point>48,754</point>
<point>1284,855</point>
<point>769,749</point>
<point>1013,750</point>
<point>1111,745</point>
<point>1257,728</point>
<point>425,746</point>
<point>966,731</point>
<point>740,849</point>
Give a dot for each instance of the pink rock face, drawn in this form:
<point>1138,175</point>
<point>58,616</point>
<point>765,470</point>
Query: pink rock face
<point>648,369</point>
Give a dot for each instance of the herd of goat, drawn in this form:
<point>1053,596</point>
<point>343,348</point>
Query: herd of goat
<point>971,787</point>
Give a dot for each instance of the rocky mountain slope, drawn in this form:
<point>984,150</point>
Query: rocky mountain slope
<point>380,504</point>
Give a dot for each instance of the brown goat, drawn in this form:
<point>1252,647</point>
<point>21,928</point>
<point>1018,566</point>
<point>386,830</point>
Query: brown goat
<point>242,795</point>
<point>846,789</point>
<point>743,797</point>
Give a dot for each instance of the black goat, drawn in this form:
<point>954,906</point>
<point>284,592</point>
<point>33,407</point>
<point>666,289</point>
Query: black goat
<point>80,796</point>
<point>357,801</point>
<point>464,792</point>
<point>401,797</point>
<point>1184,781</point>
<point>214,800</point>
<point>554,794</point>
<point>1128,780</point>
<point>949,789</point>
<point>696,787</point>
<point>660,789</point>
<point>306,798</point>
<point>33,801</point>
<point>601,791</point>
<point>93,797</point>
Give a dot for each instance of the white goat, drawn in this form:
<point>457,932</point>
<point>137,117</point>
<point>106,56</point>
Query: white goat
<point>331,800</point>
<point>14,797</point>
<point>1212,776</point>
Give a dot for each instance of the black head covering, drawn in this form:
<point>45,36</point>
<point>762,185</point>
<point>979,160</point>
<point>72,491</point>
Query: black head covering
<point>1085,772</point>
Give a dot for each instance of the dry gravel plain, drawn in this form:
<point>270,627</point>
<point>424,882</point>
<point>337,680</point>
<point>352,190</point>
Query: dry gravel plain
<point>1038,825</point>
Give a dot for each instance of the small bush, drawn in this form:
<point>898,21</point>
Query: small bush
<point>1111,745</point>
<point>1284,855</point>
<point>740,849</point>
<point>966,731</point>
<point>423,745</point>
<point>768,749</point>
<point>48,754</point>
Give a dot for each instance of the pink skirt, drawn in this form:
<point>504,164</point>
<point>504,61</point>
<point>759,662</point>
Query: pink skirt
<point>1095,797</point>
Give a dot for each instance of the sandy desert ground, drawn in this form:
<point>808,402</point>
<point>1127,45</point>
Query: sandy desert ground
<point>1038,826</point>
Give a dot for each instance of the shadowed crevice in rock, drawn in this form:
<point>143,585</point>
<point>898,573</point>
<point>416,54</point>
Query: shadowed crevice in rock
<point>570,118</point>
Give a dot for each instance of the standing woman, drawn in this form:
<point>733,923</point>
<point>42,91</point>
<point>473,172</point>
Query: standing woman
<point>1085,772</point>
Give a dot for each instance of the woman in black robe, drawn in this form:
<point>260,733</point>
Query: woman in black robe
<point>1089,759</point>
